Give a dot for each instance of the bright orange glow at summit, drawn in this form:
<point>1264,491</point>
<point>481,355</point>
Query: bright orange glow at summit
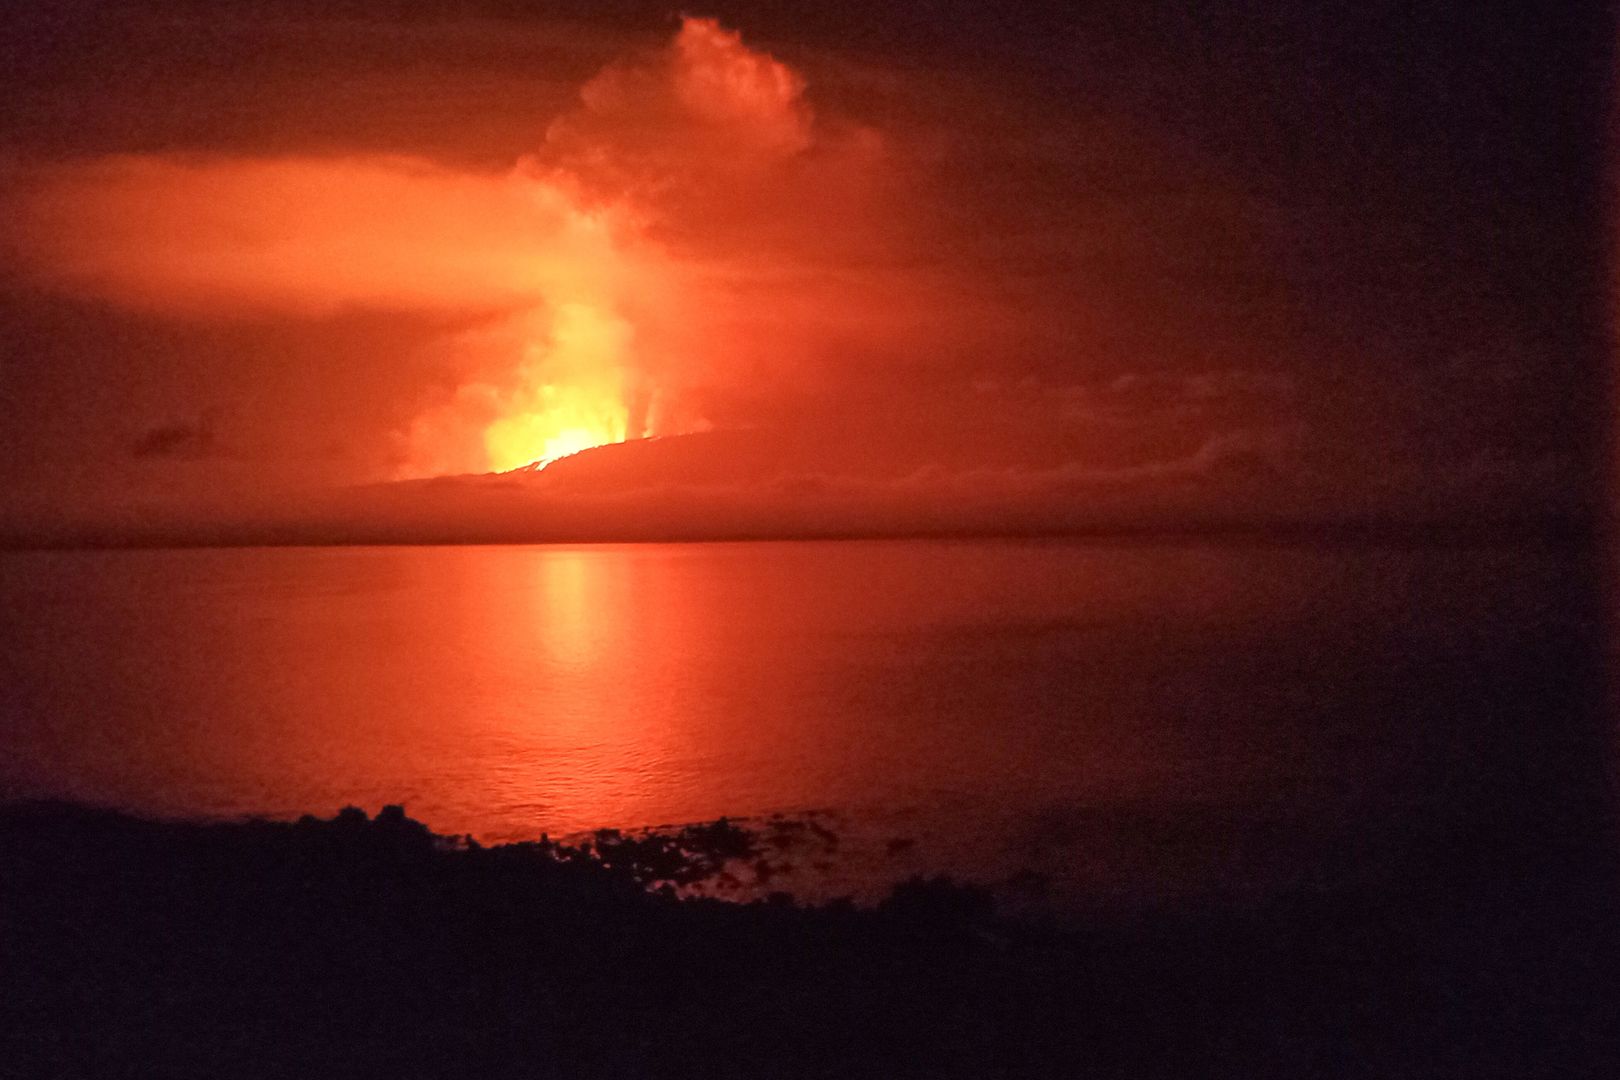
<point>579,404</point>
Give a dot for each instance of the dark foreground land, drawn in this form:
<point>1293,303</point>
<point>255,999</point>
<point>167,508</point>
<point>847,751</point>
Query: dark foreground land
<point>357,947</point>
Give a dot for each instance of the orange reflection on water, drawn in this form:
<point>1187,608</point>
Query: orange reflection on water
<point>562,638</point>
<point>503,691</point>
<point>574,611</point>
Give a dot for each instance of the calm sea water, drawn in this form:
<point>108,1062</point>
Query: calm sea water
<point>1116,716</point>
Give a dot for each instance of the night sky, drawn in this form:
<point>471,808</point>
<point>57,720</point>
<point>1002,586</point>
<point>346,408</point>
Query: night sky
<point>283,267</point>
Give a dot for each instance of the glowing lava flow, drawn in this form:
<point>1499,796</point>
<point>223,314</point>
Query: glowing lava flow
<point>567,422</point>
<point>574,395</point>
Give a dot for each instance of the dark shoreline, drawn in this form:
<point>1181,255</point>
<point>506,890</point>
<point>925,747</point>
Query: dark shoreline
<point>371,946</point>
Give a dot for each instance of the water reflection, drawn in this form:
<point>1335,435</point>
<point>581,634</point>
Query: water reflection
<point>575,606</point>
<point>944,686</point>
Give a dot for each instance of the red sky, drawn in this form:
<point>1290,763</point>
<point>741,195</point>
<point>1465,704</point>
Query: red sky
<point>1121,267</point>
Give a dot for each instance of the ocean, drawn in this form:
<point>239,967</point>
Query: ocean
<point>1090,718</point>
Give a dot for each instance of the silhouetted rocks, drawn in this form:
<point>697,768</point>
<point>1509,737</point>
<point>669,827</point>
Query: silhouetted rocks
<point>371,946</point>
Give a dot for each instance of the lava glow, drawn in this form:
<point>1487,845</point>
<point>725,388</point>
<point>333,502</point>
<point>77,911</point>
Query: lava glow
<point>556,431</point>
<point>571,393</point>
<point>673,241</point>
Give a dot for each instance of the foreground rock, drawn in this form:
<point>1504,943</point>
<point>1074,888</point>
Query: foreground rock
<point>361,946</point>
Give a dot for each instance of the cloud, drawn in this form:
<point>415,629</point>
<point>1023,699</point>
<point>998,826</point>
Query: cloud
<point>665,247</point>
<point>205,236</point>
<point>705,107</point>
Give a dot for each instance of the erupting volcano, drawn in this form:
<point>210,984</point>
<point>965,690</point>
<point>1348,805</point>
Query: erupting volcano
<point>571,396</point>
<point>593,288</point>
<point>617,326</point>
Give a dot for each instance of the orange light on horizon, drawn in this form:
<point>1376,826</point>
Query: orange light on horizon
<point>572,394</point>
